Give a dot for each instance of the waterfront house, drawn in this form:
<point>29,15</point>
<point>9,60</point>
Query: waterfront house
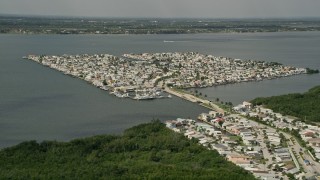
<point>247,105</point>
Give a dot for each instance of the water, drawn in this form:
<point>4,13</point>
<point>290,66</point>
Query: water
<point>40,103</point>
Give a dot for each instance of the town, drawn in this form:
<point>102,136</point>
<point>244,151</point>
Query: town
<point>147,75</point>
<point>266,143</point>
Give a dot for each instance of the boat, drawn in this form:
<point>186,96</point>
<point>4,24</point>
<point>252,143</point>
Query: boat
<point>143,97</point>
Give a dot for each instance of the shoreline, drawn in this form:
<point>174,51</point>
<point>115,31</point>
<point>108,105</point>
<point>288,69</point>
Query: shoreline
<point>196,33</point>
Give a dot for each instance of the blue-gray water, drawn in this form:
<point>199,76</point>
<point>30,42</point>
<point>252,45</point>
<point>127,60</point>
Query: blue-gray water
<point>40,103</point>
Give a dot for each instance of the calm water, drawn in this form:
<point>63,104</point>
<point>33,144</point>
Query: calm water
<point>40,103</point>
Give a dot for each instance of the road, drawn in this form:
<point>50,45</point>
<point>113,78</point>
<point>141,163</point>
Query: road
<point>194,99</point>
<point>310,170</point>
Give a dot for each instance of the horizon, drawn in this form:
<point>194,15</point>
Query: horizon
<point>137,17</point>
<point>165,9</point>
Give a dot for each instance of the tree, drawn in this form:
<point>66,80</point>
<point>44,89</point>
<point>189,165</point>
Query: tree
<point>220,123</point>
<point>105,82</point>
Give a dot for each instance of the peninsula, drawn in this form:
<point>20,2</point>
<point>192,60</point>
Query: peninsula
<point>148,75</point>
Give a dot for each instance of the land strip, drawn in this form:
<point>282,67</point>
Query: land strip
<point>65,25</point>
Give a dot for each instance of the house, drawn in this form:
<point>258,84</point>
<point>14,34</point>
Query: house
<point>283,156</point>
<point>221,148</point>
<point>202,126</point>
<point>196,136</point>
<point>239,108</point>
<point>274,140</point>
<point>311,127</point>
<point>182,121</point>
<point>213,132</point>
<point>289,119</point>
<point>261,115</point>
<point>253,114</point>
<point>265,175</point>
<point>238,129</point>
<point>252,153</point>
<point>217,133</point>
<point>171,124</point>
<point>247,105</point>
<point>228,126</point>
<point>227,140</point>
<point>281,150</point>
<point>265,110</point>
<point>281,125</point>
<point>240,160</point>
<point>246,134</point>
<point>205,141</point>
<point>189,132</point>
<point>249,140</point>
<point>307,134</point>
<point>314,142</point>
<point>203,117</point>
<point>277,115</point>
<point>267,118</point>
<point>213,113</point>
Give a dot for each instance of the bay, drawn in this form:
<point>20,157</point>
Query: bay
<point>42,104</point>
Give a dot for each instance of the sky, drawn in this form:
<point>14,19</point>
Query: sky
<point>165,8</point>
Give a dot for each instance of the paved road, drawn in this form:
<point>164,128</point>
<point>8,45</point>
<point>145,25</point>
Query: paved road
<point>310,170</point>
<point>192,98</point>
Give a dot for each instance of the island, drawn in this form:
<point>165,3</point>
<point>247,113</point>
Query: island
<point>148,75</point>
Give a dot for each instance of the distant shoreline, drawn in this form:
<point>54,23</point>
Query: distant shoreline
<point>88,25</point>
<point>221,32</point>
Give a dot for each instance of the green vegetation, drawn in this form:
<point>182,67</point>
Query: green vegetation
<point>304,106</point>
<point>312,71</point>
<point>147,151</point>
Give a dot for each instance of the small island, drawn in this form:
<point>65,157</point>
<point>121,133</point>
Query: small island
<point>312,71</point>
